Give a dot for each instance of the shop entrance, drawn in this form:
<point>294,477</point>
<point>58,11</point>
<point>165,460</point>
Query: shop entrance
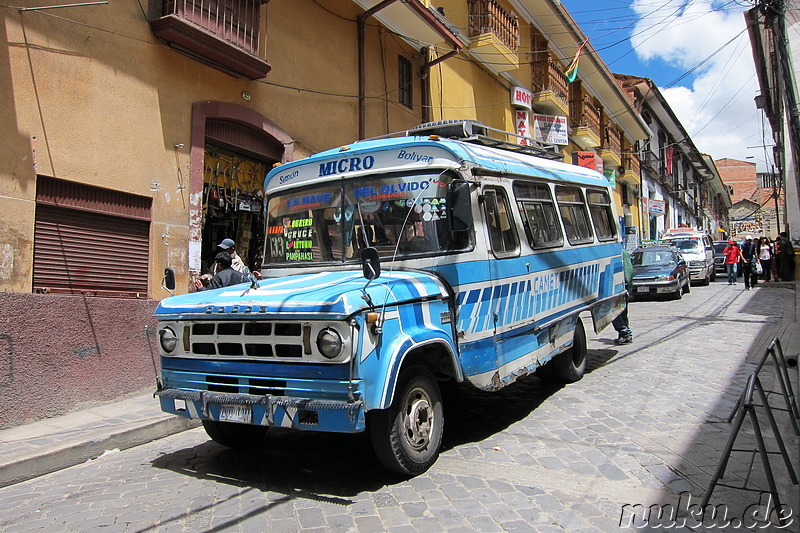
<point>233,203</point>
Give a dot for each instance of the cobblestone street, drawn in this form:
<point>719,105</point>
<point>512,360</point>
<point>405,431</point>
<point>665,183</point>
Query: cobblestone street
<point>646,423</point>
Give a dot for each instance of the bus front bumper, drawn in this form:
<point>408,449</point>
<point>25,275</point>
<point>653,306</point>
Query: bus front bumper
<point>277,411</point>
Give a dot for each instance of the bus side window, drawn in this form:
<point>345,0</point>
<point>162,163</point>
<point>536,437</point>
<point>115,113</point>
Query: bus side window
<point>600,208</point>
<point>502,233</point>
<point>574,215</point>
<point>538,214</point>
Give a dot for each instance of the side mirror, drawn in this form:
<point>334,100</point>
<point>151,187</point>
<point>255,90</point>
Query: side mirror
<point>168,282</point>
<point>460,206</point>
<point>370,263</point>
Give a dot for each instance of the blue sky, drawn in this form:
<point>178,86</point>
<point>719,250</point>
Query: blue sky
<point>698,53</point>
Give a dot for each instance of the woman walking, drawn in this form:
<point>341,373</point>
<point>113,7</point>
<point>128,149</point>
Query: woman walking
<point>765,256</point>
<point>733,255</point>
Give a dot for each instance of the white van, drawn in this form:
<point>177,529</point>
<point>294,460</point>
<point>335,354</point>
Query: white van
<point>697,249</point>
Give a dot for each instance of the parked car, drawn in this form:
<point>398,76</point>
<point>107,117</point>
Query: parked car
<point>659,269</point>
<point>696,247</point>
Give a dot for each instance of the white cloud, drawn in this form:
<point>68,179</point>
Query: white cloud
<point>715,102</point>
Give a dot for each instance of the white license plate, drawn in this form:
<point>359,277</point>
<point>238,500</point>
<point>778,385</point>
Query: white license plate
<point>236,413</point>
<point>642,289</point>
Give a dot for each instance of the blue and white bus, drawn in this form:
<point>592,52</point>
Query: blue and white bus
<point>391,265</point>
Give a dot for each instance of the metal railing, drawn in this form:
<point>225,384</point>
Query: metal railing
<point>746,406</point>
<point>235,21</point>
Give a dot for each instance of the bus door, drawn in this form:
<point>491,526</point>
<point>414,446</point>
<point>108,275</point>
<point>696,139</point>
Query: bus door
<point>506,294</point>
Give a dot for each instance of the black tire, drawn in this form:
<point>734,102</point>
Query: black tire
<point>408,435</point>
<point>234,435</point>
<point>678,294</point>
<point>570,365</point>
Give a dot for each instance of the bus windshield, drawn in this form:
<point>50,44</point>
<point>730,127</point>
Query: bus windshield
<point>401,216</point>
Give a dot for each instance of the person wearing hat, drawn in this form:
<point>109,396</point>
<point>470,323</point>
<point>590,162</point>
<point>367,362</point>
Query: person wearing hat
<point>228,246</point>
<point>750,256</point>
<point>733,255</point>
<point>225,274</point>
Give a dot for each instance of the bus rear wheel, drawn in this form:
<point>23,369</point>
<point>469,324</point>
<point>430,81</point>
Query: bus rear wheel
<point>408,435</point>
<point>570,365</point>
<point>234,435</point>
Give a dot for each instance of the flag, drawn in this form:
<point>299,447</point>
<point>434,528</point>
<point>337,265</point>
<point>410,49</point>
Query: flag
<point>669,152</point>
<point>572,71</point>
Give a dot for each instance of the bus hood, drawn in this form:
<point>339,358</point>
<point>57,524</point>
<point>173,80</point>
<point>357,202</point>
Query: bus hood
<point>333,295</point>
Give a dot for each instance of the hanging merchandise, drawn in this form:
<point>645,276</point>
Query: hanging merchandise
<point>232,205</point>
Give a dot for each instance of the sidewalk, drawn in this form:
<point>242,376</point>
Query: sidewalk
<point>52,444</point>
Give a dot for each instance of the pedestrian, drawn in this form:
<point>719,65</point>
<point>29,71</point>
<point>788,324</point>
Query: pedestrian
<point>620,323</point>
<point>733,256</point>
<point>225,274</point>
<point>784,257</point>
<point>765,257</point>
<point>750,256</point>
<point>229,247</point>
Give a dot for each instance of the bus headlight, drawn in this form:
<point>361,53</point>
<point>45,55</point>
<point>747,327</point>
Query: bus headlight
<point>168,339</point>
<point>329,343</point>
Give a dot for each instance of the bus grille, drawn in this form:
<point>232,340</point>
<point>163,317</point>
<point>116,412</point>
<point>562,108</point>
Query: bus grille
<point>263,340</point>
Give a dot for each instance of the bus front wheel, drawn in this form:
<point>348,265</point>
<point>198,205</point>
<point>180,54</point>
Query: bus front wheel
<point>570,365</point>
<point>408,435</point>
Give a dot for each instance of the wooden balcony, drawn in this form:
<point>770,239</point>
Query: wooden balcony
<point>584,123</point>
<point>224,34</point>
<point>495,35</point>
<point>611,148</point>
<point>550,92</point>
<point>631,169</point>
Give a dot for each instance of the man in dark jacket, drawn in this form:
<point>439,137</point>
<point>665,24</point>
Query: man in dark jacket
<point>225,275</point>
<point>784,259</point>
<point>749,252</point>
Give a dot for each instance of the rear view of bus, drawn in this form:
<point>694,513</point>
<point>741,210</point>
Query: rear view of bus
<point>390,266</point>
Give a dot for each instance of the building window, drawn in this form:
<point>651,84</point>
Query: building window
<point>404,84</point>
<point>89,240</point>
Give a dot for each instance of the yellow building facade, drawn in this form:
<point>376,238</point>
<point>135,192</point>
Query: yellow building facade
<point>138,133</point>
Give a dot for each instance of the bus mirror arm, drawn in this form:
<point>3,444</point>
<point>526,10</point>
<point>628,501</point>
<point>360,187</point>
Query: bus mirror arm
<point>168,281</point>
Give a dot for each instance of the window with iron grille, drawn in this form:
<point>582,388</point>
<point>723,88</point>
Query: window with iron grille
<point>89,240</point>
<point>404,84</point>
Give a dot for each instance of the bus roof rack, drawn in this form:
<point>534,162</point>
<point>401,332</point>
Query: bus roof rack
<point>475,132</point>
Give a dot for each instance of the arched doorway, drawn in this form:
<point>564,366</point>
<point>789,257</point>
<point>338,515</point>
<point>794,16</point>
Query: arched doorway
<point>233,148</point>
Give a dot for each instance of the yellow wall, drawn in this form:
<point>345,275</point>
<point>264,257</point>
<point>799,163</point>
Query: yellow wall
<point>95,98</point>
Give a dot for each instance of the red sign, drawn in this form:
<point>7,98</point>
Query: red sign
<point>588,160</point>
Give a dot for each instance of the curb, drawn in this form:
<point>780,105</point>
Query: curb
<point>23,468</point>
